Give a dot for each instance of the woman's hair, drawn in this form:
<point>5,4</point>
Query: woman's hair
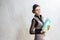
<point>34,7</point>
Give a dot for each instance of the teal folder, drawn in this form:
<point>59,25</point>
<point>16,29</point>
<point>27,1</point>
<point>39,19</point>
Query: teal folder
<point>46,23</point>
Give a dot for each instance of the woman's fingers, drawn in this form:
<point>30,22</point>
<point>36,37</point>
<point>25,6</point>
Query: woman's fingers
<point>48,27</point>
<point>43,31</point>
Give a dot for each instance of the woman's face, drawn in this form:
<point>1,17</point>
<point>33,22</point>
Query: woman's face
<point>37,10</point>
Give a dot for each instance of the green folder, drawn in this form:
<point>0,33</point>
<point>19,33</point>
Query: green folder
<point>46,23</point>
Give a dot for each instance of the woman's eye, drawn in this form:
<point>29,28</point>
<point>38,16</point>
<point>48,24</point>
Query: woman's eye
<point>37,9</point>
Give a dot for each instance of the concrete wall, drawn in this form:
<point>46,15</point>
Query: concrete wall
<point>16,15</point>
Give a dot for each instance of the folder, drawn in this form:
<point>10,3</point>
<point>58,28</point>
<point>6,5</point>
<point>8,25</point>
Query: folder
<point>46,23</point>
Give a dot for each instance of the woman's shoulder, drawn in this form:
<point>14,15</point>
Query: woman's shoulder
<point>34,20</point>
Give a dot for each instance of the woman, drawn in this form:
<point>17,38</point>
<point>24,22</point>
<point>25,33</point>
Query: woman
<point>37,24</point>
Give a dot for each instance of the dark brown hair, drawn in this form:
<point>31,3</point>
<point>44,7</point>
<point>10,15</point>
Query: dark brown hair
<point>34,7</point>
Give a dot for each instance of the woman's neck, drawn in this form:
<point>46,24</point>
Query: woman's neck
<point>38,16</point>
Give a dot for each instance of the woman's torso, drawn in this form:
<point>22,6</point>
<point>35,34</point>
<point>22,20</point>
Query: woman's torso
<point>38,26</point>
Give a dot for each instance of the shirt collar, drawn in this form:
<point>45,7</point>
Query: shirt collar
<point>38,16</point>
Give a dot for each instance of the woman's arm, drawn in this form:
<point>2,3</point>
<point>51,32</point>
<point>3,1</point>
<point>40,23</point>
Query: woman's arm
<point>32,27</point>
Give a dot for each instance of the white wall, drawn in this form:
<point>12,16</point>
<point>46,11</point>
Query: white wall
<point>16,15</point>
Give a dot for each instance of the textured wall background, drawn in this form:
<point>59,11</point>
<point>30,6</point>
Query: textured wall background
<point>16,15</point>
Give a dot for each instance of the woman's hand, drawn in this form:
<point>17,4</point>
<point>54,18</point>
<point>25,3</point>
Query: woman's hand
<point>43,31</point>
<point>48,27</point>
